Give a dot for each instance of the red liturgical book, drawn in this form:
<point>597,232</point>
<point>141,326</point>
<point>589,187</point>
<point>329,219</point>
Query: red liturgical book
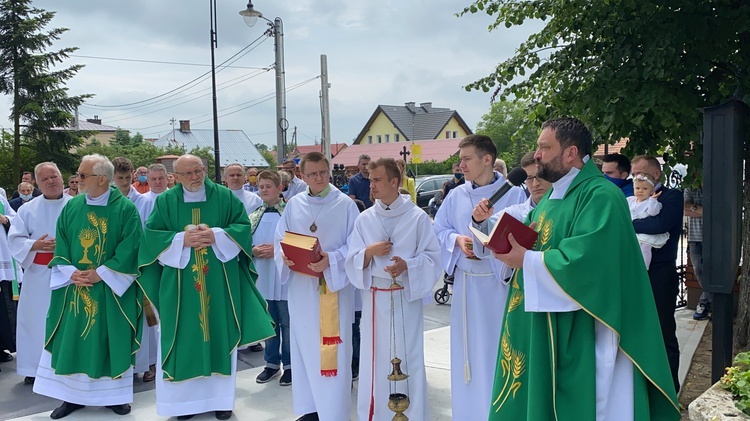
<point>302,250</point>
<point>497,240</point>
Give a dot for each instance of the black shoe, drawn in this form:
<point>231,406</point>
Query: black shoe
<point>5,357</point>
<point>64,410</point>
<point>223,415</point>
<point>313,416</point>
<point>286,378</point>
<point>267,374</point>
<point>29,380</point>
<point>185,417</point>
<point>256,347</point>
<point>122,409</point>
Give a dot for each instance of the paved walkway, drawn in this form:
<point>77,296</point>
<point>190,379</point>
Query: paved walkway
<point>272,402</point>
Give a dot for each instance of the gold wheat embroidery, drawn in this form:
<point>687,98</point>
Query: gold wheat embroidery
<point>200,269</point>
<point>88,237</point>
<point>513,362</point>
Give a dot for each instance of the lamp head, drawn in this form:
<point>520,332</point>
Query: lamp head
<point>250,14</point>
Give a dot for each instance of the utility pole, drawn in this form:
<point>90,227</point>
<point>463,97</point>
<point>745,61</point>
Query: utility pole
<point>281,121</point>
<point>324,108</point>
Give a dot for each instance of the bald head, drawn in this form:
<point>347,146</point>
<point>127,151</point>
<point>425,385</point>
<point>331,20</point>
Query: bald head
<point>190,172</point>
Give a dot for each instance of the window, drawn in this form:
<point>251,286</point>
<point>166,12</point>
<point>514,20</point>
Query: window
<point>455,134</point>
<point>447,134</point>
<point>379,139</point>
<point>369,139</point>
<point>387,138</point>
<point>395,137</point>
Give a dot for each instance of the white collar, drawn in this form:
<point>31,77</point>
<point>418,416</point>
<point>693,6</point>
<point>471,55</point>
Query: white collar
<point>197,196</point>
<point>98,201</point>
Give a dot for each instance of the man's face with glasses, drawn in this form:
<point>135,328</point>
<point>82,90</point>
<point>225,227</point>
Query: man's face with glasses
<point>316,175</point>
<point>537,187</point>
<point>189,172</point>
<point>88,182</point>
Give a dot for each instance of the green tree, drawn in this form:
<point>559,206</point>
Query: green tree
<point>268,156</point>
<point>122,138</point>
<point>506,124</point>
<point>29,75</point>
<point>639,69</point>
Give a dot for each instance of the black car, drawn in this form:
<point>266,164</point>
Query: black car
<point>428,186</point>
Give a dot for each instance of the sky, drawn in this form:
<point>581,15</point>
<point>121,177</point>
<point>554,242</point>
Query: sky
<point>379,53</point>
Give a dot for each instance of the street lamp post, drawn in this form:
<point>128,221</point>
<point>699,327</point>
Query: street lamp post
<point>217,154</point>
<point>277,30</point>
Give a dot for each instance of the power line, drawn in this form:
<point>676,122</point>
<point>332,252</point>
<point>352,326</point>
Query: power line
<point>259,101</point>
<point>132,104</point>
<point>160,62</point>
<point>167,100</point>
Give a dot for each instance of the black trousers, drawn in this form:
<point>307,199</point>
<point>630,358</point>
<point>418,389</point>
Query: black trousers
<point>665,285</point>
<point>7,318</point>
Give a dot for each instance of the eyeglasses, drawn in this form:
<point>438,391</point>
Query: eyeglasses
<point>190,174</point>
<point>321,174</point>
<point>532,178</point>
<point>83,175</point>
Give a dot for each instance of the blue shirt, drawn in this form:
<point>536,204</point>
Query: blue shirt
<point>359,187</point>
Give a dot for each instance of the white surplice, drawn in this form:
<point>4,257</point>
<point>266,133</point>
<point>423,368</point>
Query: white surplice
<point>334,216</point>
<point>34,219</point>
<point>147,353</point>
<point>269,284</point>
<point>478,303</point>
<point>201,394</point>
<point>251,200</point>
<point>7,270</point>
<point>80,388</point>
<point>410,231</point>
<point>614,370</point>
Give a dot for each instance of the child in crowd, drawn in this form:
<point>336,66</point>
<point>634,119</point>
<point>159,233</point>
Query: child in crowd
<point>642,205</point>
<point>263,221</point>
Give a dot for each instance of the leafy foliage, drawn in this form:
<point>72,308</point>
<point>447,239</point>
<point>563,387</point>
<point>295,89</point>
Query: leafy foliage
<point>737,381</point>
<point>638,69</point>
<point>506,124</point>
<point>29,74</point>
<point>434,168</point>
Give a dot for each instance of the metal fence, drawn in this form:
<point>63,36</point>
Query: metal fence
<point>674,181</point>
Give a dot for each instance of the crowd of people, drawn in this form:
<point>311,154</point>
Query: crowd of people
<point>139,271</point>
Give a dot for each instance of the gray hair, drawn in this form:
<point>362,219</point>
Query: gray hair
<point>26,184</point>
<point>157,167</point>
<point>102,165</point>
<point>47,164</point>
<point>235,164</point>
<point>285,176</point>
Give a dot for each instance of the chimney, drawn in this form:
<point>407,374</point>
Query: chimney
<point>95,120</point>
<point>410,107</point>
<point>185,126</point>
<point>427,106</point>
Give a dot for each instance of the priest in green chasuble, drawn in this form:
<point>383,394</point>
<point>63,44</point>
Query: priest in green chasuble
<point>580,338</point>
<point>196,271</point>
<point>93,322</point>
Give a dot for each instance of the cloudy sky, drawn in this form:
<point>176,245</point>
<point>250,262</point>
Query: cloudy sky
<point>384,52</point>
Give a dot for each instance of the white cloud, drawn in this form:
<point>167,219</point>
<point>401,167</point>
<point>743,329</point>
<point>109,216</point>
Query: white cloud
<point>386,52</point>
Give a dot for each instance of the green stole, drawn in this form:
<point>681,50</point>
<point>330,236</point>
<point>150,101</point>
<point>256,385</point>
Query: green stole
<point>209,308</point>
<point>546,361</point>
<point>91,330</point>
<point>14,281</point>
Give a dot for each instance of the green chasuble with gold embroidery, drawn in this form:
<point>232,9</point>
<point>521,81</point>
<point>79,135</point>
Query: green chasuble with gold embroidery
<point>546,361</point>
<point>91,330</point>
<point>209,308</point>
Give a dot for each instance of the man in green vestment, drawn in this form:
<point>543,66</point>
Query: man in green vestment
<point>93,322</point>
<point>580,338</point>
<point>196,271</point>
